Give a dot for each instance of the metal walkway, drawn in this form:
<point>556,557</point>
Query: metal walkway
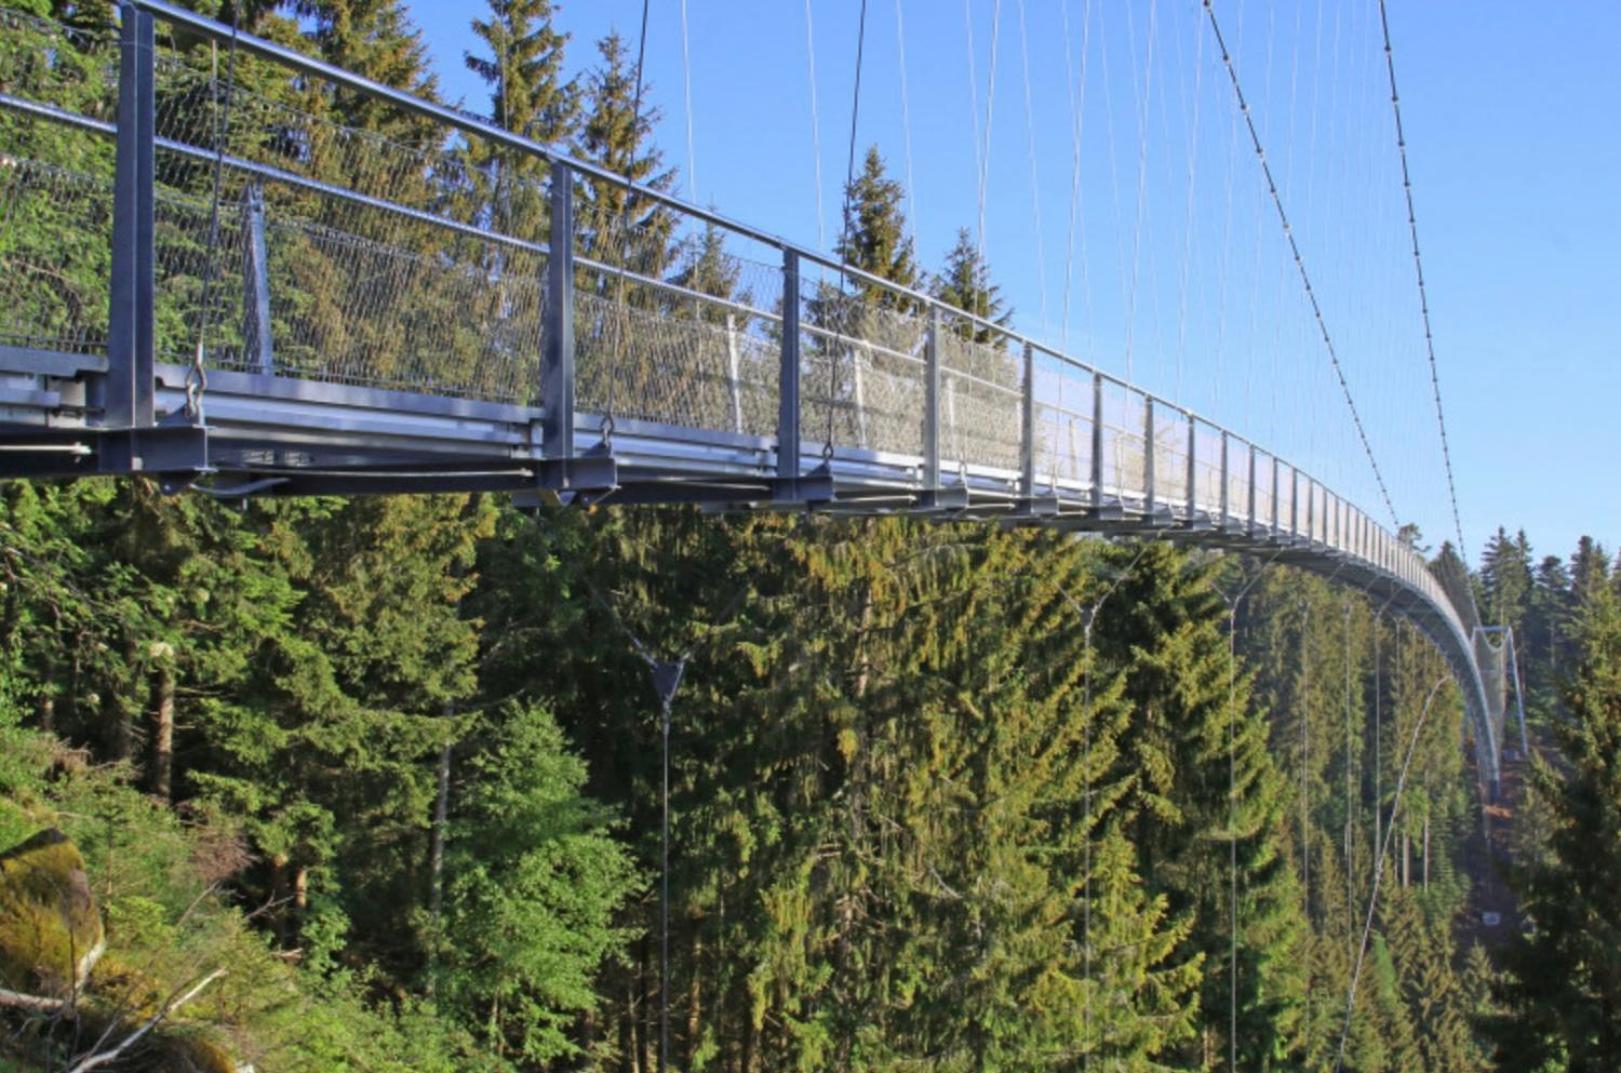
<point>224,285</point>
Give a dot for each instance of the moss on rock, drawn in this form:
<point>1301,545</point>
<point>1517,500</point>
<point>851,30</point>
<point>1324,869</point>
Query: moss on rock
<point>50,927</point>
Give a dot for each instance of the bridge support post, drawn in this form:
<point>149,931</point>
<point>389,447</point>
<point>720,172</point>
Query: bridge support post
<point>1027,421</point>
<point>557,367</point>
<point>733,372</point>
<point>1294,502</point>
<point>1251,529</point>
<point>1097,442</point>
<point>1277,487</point>
<point>1226,491</point>
<point>256,284</point>
<point>788,373</point>
<point>1311,506</point>
<point>931,404</point>
<point>127,402</point>
<point>1192,490</point>
<point>1148,456</point>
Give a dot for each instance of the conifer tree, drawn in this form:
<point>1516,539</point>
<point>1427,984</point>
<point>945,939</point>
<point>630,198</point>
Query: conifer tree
<point>616,226</point>
<point>1562,988</point>
<point>1168,638</point>
<point>965,284</point>
<point>874,237</point>
<point>523,66</point>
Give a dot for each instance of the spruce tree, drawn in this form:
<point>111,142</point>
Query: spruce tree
<point>1563,985</point>
<point>1197,739</point>
<point>616,226</point>
<point>965,284</point>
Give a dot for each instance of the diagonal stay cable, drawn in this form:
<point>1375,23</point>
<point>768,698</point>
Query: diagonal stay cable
<point>1423,294</point>
<point>1300,262</point>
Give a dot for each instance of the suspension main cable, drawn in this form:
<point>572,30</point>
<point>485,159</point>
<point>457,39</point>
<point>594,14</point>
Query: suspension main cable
<point>1300,263</point>
<point>1423,295</point>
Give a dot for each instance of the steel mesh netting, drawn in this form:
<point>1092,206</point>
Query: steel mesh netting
<point>1170,456</point>
<point>407,260</point>
<point>55,255</point>
<point>1239,454</point>
<point>1266,501</point>
<point>55,186</point>
<point>669,325</point>
<point>1207,467</point>
<point>1124,438</point>
<point>1063,398</point>
<point>981,397</point>
<point>863,367</point>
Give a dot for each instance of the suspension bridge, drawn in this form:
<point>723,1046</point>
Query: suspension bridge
<point>217,286</point>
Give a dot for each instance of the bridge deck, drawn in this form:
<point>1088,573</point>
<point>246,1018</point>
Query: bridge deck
<point>310,309</point>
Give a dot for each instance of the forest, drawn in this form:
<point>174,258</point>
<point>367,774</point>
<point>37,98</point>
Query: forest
<point>378,783</point>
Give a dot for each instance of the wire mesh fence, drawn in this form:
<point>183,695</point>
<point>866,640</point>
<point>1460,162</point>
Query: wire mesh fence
<point>311,226</point>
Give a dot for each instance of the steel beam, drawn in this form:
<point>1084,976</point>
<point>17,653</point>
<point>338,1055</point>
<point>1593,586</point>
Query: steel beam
<point>126,391</point>
<point>557,364</point>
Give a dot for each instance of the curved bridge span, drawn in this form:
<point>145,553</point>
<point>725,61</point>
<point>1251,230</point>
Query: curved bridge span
<point>278,304</point>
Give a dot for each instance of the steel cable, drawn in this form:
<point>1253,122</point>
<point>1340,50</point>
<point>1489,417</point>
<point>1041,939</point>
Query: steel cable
<point>1423,295</point>
<point>1300,263</point>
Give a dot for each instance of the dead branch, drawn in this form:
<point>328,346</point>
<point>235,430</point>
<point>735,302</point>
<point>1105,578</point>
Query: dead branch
<point>174,1002</point>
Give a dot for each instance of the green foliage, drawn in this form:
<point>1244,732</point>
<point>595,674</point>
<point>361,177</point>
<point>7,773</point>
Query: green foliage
<point>534,879</point>
<point>1562,987</point>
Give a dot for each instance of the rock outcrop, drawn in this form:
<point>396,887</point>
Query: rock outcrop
<point>50,925</point>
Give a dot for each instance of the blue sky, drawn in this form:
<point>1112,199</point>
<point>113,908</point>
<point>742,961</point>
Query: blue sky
<point>1177,270</point>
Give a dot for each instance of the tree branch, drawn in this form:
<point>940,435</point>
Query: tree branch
<point>174,1002</point>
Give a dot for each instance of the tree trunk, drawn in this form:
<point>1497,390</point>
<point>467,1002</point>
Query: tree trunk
<point>1406,860</point>
<point>694,995</point>
<point>627,1025</point>
<point>1426,853</point>
<point>436,846</point>
<point>161,776</point>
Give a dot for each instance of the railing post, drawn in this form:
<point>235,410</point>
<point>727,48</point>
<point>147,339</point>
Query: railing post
<point>1191,492</point>
<point>1097,441</point>
<point>127,402</point>
<point>1277,502</point>
<point>1251,529</point>
<point>557,370</point>
<point>1311,510</point>
<point>1148,455</point>
<point>1225,490</point>
<point>1027,418</point>
<point>256,284</point>
<point>1294,502</point>
<point>734,373</point>
<point>931,402</point>
<point>788,372</point>
<point>856,351</point>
